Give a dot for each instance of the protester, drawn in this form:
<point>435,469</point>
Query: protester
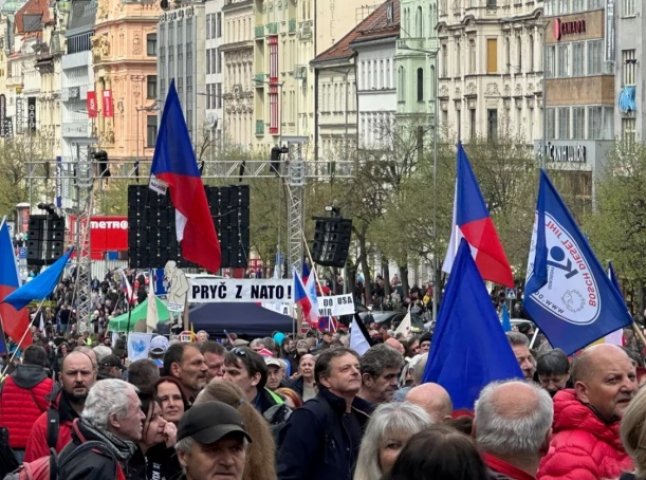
<point>143,374</point>
<point>247,369</point>
<point>321,439</point>
<point>185,362</point>
<point>633,435</point>
<point>110,367</point>
<point>586,441</point>
<point>155,457</point>
<point>434,399</point>
<point>304,383</point>
<point>261,453</point>
<point>425,342</point>
<point>513,426</point>
<point>24,397</point>
<point>439,452</point>
<point>157,349</point>
<point>214,357</point>
<point>275,373</point>
<point>380,367</point>
<point>170,396</point>
<point>112,416</point>
<point>520,345</point>
<point>553,370</point>
<point>76,377</point>
<point>212,441</point>
<point>390,427</point>
<point>292,398</point>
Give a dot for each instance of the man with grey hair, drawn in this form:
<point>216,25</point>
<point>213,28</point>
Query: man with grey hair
<point>112,418</point>
<point>380,367</point>
<point>513,425</point>
<point>520,345</point>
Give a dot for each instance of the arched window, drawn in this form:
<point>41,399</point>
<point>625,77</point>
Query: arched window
<point>420,84</point>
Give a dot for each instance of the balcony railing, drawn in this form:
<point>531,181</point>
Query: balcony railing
<point>260,127</point>
<point>272,28</point>
<point>260,31</point>
<point>292,25</point>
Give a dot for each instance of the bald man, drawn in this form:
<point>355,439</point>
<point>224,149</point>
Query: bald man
<point>513,423</point>
<point>77,375</point>
<point>395,345</point>
<point>586,442</point>
<point>433,398</point>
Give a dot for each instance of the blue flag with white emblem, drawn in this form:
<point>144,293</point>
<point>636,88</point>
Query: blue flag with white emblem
<point>567,292</point>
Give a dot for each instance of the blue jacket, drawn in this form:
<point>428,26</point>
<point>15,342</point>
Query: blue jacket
<point>321,441</point>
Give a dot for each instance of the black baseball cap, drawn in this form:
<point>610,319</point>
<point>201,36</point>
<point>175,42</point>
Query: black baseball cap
<point>209,422</point>
<point>111,361</point>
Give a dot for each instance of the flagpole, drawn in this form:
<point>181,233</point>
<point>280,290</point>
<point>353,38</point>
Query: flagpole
<point>31,321</point>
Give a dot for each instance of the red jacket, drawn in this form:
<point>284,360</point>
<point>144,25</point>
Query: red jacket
<point>23,400</point>
<point>583,446</point>
<point>37,441</point>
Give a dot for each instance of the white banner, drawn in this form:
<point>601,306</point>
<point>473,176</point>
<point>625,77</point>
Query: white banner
<point>242,290</point>
<point>336,305</point>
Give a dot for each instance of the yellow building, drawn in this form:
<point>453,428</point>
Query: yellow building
<point>124,50</point>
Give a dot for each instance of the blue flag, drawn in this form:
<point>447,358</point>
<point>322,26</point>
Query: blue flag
<point>469,348</point>
<point>41,286</point>
<point>567,292</point>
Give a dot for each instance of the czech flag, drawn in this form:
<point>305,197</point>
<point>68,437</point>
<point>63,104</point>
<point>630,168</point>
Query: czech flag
<point>14,322</point>
<point>174,166</point>
<point>472,222</point>
<point>305,296</point>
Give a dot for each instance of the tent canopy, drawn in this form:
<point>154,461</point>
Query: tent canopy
<point>137,314</point>
<point>247,319</point>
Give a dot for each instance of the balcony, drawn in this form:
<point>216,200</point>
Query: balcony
<point>413,43</point>
<point>260,31</point>
<point>260,127</point>
<point>272,28</point>
<point>292,25</point>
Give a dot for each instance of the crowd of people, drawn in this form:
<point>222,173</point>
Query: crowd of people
<point>307,406</point>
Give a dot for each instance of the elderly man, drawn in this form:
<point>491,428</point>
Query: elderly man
<point>513,424</point>
<point>380,367</point>
<point>321,439</point>
<point>520,345</point>
<point>212,442</point>
<point>433,398</point>
<point>112,417</point>
<point>214,357</point>
<point>586,443</point>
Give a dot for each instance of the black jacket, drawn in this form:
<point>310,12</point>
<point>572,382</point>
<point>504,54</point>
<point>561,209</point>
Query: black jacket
<point>97,465</point>
<point>159,463</point>
<point>320,440</point>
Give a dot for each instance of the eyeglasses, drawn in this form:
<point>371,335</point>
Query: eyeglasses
<point>239,352</point>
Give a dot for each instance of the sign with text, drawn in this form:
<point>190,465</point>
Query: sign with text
<point>107,104</point>
<point>31,114</point>
<point>241,290</point>
<point>92,108</point>
<point>336,305</point>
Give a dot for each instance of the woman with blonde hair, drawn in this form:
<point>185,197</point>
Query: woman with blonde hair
<point>389,428</point>
<point>260,463</point>
<point>633,435</point>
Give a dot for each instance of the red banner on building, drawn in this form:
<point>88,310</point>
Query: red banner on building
<point>92,109</point>
<point>107,103</point>
<point>108,233</point>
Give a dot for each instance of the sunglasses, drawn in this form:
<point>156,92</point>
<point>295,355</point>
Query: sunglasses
<point>239,352</point>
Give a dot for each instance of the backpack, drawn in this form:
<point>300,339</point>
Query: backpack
<point>48,468</point>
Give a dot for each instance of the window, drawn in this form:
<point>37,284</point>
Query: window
<point>578,59</point>
<point>151,44</point>
<point>530,60</point>
<point>550,124</point>
<point>507,55</point>
<point>578,5</point>
<point>472,123</point>
<point>564,6</point>
<point>564,60</point>
<point>401,84</point>
<point>218,95</point>
<point>491,3</point>
<point>420,84</point>
<point>550,61</point>
<point>472,56</point>
<point>458,58</point>
<point>151,131</point>
<point>630,9</point>
<point>445,60</point>
<point>595,57</point>
<point>628,62</point>
<point>628,130</point>
<point>564,123</point>
<point>519,54</point>
<point>492,55</point>
<point>595,125</point>
<point>209,22</point>
<point>419,27</point>
<point>492,124</point>
<point>151,87</point>
<point>578,123</point>
<point>594,4</point>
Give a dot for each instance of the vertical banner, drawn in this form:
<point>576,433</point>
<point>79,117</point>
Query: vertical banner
<point>3,115</point>
<point>92,108</point>
<point>19,115</point>
<point>31,114</point>
<point>107,103</point>
<point>59,182</point>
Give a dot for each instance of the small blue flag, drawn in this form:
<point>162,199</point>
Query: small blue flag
<point>506,321</point>
<point>41,286</point>
<point>567,292</point>
<point>469,348</point>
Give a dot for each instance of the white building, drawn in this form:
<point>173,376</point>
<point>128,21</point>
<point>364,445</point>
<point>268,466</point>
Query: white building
<point>214,36</point>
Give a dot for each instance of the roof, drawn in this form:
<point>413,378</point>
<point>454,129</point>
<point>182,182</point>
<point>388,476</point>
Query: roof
<point>376,25</point>
<point>32,16</point>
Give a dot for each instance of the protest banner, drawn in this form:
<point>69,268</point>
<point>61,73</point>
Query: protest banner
<point>207,290</point>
